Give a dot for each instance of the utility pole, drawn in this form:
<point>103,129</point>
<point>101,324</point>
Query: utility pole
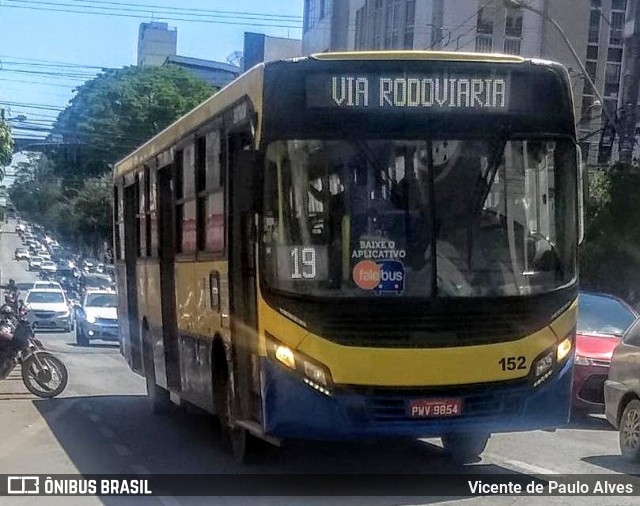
<point>630,83</point>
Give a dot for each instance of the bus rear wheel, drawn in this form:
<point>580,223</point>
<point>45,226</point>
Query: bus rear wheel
<point>465,447</point>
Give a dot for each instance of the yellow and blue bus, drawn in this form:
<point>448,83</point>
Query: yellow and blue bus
<point>356,245</point>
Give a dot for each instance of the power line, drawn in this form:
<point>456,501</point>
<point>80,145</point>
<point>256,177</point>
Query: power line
<point>259,15</point>
<point>70,64</point>
<point>67,86</point>
<point>114,13</point>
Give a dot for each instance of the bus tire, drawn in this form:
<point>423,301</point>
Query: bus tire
<point>233,440</point>
<point>157,397</point>
<point>465,448</point>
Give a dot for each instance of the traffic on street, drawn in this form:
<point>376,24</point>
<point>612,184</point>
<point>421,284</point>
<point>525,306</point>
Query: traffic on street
<point>103,424</point>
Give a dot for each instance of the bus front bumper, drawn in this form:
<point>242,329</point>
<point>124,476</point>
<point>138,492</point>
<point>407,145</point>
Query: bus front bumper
<point>292,409</point>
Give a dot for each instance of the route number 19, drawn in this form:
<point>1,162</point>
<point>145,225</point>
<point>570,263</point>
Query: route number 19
<point>303,262</point>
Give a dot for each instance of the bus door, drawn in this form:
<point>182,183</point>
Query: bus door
<point>242,276</point>
<point>133,348</point>
<point>166,258</point>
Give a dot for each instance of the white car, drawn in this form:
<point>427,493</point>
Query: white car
<point>22,253</point>
<point>45,255</point>
<point>48,267</point>
<point>97,317</point>
<point>35,262</point>
<point>48,285</point>
<point>48,309</point>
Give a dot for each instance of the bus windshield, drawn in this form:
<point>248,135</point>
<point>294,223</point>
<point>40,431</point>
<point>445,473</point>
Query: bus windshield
<point>362,217</point>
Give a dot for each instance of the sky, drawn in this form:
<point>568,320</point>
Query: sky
<point>33,38</point>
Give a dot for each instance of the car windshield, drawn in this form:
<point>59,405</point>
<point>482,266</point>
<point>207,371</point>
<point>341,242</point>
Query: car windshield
<point>599,314</point>
<point>360,218</point>
<point>48,264</point>
<point>101,300</point>
<point>36,259</point>
<point>45,297</point>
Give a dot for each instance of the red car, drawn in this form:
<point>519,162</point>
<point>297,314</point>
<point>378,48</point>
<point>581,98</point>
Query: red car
<point>602,319</point>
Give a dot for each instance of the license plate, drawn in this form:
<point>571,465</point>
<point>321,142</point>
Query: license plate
<point>434,408</point>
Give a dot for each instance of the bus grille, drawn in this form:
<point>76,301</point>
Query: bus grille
<point>431,331</point>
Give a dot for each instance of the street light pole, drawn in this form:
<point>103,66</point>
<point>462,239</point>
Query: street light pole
<point>522,5</point>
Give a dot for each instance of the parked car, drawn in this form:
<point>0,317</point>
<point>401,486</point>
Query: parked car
<point>49,309</point>
<point>622,392</point>
<point>22,254</point>
<point>34,263</point>
<point>97,317</point>
<point>602,320</point>
<point>45,255</point>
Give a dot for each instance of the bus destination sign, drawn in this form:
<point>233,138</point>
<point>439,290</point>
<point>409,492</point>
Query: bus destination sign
<point>410,91</point>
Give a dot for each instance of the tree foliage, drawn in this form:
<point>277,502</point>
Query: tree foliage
<point>610,254</point>
<point>6,145</point>
<point>118,111</point>
<point>69,191</point>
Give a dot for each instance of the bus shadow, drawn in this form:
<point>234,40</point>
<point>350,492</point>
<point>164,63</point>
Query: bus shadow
<point>184,442</point>
<point>589,422</point>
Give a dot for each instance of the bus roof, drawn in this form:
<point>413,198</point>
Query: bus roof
<point>249,84</point>
<point>420,55</point>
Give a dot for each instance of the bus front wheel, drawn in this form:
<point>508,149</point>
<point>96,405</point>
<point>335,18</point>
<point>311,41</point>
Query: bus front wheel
<point>465,447</point>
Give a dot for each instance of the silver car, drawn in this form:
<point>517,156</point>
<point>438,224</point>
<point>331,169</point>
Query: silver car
<point>49,309</point>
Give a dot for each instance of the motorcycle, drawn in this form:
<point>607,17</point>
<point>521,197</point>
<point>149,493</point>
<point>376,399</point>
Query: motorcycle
<point>43,374</point>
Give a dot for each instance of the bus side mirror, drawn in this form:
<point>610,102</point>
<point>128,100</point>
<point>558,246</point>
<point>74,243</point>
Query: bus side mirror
<point>583,186</point>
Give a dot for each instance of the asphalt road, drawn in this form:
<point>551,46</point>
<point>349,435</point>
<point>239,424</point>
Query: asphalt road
<point>101,424</point>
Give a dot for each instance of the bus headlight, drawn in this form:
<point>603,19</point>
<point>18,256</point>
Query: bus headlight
<point>312,373</point>
<point>543,364</point>
<point>315,373</point>
<point>564,348</point>
<point>284,355</point>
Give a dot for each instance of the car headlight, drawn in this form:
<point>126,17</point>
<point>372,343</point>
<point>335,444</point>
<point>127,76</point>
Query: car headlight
<point>90,318</point>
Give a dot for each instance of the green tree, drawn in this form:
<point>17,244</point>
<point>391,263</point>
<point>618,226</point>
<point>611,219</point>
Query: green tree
<point>610,255</point>
<point>6,147</point>
<point>118,111</point>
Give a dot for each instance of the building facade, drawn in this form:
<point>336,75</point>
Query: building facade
<point>156,42</point>
<point>216,73</point>
<point>603,61</point>
<point>259,47</point>
<point>157,45</point>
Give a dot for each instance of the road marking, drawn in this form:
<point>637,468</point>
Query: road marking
<point>140,469</point>
<point>517,465</point>
<point>107,432</point>
<point>94,418</point>
<point>122,450</point>
<point>20,439</point>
